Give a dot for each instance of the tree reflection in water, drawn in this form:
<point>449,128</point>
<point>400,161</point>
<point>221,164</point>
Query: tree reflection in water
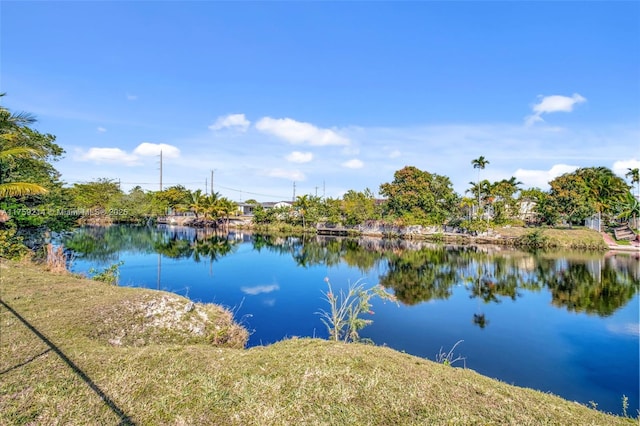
<point>416,271</point>
<point>419,272</point>
<point>103,244</point>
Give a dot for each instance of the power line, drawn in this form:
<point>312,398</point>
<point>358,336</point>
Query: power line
<point>241,191</point>
<point>135,183</point>
<point>280,197</point>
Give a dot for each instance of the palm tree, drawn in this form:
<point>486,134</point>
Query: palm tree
<point>466,203</point>
<point>303,203</point>
<point>634,174</point>
<point>10,127</point>
<point>18,189</point>
<point>211,205</point>
<point>12,121</point>
<point>479,163</point>
<point>629,207</point>
<point>604,187</point>
<point>197,202</point>
<point>227,208</point>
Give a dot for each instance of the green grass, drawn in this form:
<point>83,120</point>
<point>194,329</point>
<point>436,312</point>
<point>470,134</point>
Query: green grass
<point>145,357</point>
<point>573,238</point>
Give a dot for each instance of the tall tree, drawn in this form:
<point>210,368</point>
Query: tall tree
<point>197,202</point>
<point>176,197</point>
<point>606,189</point>
<point>502,198</point>
<point>358,206</point>
<point>479,163</point>
<point>226,209</point>
<point>570,198</point>
<point>96,195</point>
<point>417,196</point>
<point>308,207</point>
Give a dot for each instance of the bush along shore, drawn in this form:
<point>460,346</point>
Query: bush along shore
<point>78,351</point>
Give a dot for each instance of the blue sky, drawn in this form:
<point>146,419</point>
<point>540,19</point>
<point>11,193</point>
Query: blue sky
<point>331,95</point>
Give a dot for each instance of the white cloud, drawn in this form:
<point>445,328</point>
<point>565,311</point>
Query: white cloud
<point>131,97</point>
<point>108,155</point>
<point>251,165</point>
<point>395,154</point>
<point>541,178</point>
<point>299,157</point>
<point>286,174</point>
<point>237,121</point>
<point>101,129</point>
<point>259,289</point>
<point>558,103</point>
<point>298,132</point>
<point>621,167</point>
<point>147,149</point>
<point>553,103</point>
<point>353,164</point>
<point>629,328</point>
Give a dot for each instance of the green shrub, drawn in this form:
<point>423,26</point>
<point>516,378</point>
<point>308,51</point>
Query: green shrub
<point>109,275</point>
<point>535,238</point>
<point>475,225</point>
<point>11,246</point>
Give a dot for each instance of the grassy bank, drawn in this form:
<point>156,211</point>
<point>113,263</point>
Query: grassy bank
<point>570,238</point>
<point>81,352</point>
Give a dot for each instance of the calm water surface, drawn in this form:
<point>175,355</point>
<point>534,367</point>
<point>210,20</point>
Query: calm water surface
<point>565,323</point>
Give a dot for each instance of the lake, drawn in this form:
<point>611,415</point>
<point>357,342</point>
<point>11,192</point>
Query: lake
<point>560,322</point>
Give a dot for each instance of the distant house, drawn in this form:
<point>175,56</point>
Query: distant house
<point>276,205</point>
<point>247,209</point>
<point>527,211</point>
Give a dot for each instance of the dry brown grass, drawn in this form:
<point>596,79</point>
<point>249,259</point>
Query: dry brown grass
<point>158,375</point>
<point>56,260</point>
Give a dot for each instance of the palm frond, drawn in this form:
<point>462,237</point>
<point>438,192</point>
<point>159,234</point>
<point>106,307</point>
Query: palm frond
<point>20,152</point>
<point>18,189</point>
<point>21,119</point>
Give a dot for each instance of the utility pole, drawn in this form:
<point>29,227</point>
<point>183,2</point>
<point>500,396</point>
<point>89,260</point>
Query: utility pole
<point>160,170</point>
<point>206,186</point>
<point>294,191</point>
<point>316,191</point>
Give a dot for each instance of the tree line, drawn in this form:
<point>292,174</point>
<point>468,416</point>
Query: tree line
<point>32,194</point>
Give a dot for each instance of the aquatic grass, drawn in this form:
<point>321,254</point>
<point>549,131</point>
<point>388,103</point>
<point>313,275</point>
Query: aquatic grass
<point>344,318</point>
<point>447,358</point>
